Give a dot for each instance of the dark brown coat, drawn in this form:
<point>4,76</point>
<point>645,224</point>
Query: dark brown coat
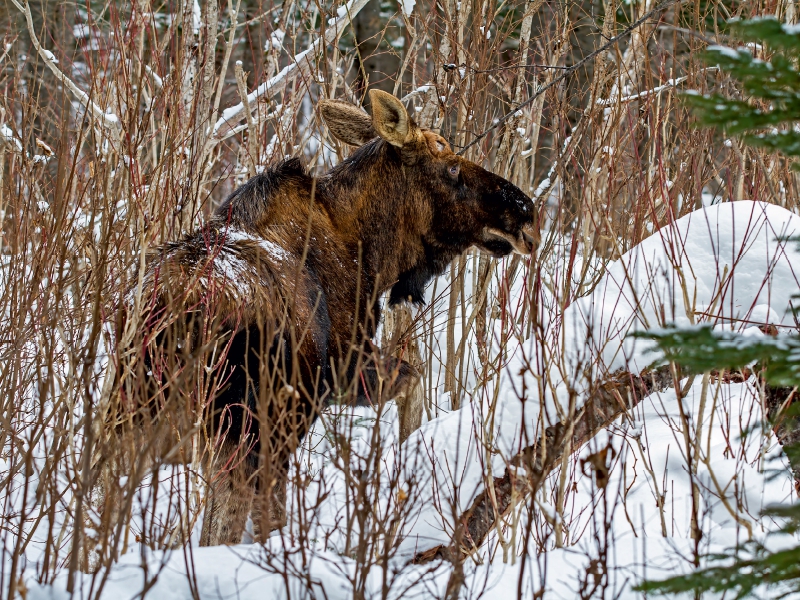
<point>286,275</point>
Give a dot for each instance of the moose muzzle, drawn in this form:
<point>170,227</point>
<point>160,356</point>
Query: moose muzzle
<point>522,243</point>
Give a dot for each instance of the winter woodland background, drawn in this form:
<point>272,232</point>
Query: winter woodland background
<point>554,459</point>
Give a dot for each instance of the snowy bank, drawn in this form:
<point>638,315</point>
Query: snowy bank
<point>728,264</point>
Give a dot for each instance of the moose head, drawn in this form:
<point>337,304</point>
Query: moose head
<point>447,201</point>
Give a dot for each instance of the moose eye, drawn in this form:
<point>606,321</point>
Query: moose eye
<point>453,170</point>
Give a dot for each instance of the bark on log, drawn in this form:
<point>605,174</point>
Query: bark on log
<point>609,399</point>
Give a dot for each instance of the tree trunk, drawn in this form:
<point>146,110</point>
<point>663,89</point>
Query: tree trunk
<point>399,336</point>
<point>379,62</point>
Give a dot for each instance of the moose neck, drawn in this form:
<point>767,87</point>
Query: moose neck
<point>371,202</point>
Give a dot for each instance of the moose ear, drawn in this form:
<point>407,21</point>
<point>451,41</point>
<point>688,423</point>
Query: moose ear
<point>390,119</point>
<point>346,122</point>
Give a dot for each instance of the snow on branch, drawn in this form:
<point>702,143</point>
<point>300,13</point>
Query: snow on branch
<point>8,136</point>
<point>550,180</point>
<point>301,63</point>
<point>156,78</point>
<point>108,120</point>
<point>671,83</point>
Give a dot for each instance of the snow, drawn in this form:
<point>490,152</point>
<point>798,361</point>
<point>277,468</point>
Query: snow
<point>727,51</point>
<point>407,6</point>
<point>628,97</point>
<point>275,40</point>
<point>197,19</point>
<point>301,63</point>
<point>233,235</point>
<point>545,183</point>
<point>728,264</point>
<point>80,31</point>
<point>233,113</point>
<point>731,259</point>
<point>8,136</point>
<point>233,270</point>
<point>249,571</point>
<point>634,555</point>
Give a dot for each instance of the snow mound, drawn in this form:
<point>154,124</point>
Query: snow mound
<point>728,264</point>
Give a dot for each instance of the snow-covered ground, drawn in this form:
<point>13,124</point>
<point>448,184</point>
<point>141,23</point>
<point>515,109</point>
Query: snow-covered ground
<point>728,264</point>
<point>624,522</point>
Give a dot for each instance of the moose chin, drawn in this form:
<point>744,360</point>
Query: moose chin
<point>248,325</point>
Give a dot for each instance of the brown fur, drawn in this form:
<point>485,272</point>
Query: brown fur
<point>283,281</point>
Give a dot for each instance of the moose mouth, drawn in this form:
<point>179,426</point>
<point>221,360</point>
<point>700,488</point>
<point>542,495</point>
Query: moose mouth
<point>521,243</point>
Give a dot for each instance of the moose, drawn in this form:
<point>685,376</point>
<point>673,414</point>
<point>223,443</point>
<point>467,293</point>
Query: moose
<point>280,293</point>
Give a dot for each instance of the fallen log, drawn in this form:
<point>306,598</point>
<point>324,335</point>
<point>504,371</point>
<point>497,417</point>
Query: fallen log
<point>609,399</point>
<point>606,403</point>
<point>781,410</point>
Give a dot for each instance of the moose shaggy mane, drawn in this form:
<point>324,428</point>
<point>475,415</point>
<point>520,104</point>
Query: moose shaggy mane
<point>246,206</point>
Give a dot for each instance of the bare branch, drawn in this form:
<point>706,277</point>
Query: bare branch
<point>108,120</point>
<point>302,63</point>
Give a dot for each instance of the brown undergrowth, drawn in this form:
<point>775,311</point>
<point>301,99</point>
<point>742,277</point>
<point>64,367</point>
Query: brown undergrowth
<point>124,125</point>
